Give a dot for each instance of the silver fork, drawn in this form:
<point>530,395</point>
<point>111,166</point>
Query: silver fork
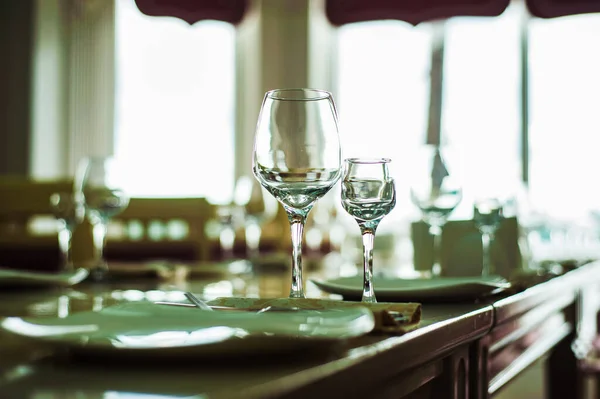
<point>197,301</point>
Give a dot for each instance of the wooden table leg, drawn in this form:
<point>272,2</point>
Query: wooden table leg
<point>563,376</point>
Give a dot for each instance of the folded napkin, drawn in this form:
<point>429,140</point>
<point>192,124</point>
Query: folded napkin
<point>390,318</point>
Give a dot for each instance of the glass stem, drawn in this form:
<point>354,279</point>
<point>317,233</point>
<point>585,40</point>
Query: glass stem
<point>227,242</point>
<point>297,229</point>
<point>486,240</point>
<point>368,241</point>
<point>99,237</point>
<point>436,233</point>
<point>64,243</point>
<point>253,233</point>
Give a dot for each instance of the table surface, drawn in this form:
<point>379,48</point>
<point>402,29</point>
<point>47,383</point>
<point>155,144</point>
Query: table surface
<point>32,371</point>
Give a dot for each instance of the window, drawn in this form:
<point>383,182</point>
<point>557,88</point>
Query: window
<point>175,104</point>
<point>564,61</point>
<point>481,115</point>
<point>383,92</point>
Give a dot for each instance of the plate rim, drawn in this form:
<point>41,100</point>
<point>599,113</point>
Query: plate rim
<point>331,286</point>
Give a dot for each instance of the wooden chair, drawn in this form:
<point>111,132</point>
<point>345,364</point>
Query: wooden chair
<point>162,228</point>
<point>149,228</point>
<point>22,202</point>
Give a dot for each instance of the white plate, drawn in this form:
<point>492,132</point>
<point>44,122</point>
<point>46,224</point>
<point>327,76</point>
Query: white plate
<point>18,278</point>
<point>411,290</point>
<point>144,328</point>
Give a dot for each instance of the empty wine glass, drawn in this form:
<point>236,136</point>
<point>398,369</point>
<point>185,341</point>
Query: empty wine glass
<point>297,158</point>
<point>436,193</point>
<point>487,215</point>
<point>368,194</point>
<point>69,213</point>
<point>99,182</point>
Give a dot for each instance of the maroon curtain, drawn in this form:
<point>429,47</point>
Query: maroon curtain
<point>340,12</point>
<point>560,8</point>
<point>192,11</point>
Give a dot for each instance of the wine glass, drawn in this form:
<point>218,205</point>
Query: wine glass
<point>487,215</point>
<point>436,193</point>
<point>297,158</point>
<point>368,194</point>
<point>99,183</point>
<point>69,213</point>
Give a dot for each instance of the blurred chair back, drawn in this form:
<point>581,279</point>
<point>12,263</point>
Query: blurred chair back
<point>161,228</point>
<point>23,242</point>
<point>149,228</point>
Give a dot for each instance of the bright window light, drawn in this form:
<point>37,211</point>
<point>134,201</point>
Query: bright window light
<point>565,128</point>
<point>175,105</point>
<point>383,93</point>
<point>481,114</point>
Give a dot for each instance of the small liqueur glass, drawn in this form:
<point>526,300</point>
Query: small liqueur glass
<point>487,215</point>
<point>69,213</point>
<point>368,194</point>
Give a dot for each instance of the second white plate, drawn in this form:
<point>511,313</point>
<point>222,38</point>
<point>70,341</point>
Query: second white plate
<point>20,278</point>
<point>412,290</point>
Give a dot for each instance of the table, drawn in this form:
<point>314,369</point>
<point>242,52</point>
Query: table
<point>461,350</point>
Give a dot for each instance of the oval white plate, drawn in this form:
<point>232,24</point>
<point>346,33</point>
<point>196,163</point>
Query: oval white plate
<point>412,290</point>
<point>144,328</point>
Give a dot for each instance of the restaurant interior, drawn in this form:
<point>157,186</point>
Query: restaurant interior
<point>299,198</point>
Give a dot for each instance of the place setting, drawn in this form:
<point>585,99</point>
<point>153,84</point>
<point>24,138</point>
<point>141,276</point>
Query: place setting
<point>297,159</point>
<point>297,169</point>
<point>436,193</point>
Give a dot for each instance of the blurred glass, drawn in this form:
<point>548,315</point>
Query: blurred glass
<point>436,192</point>
<point>69,212</point>
<point>255,208</point>
<point>99,182</point>
<point>487,215</point>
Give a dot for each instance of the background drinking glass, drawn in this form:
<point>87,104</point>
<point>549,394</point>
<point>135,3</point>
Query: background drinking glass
<point>297,158</point>
<point>256,209</point>
<point>436,193</point>
<point>100,180</point>
<point>487,215</point>
<point>368,194</point>
<point>222,228</point>
<point>69,213</point>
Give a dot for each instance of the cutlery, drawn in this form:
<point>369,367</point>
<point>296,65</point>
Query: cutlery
<point>263,310</point>
<point>397,316</point>
<point>197,302</point>
<point>191,305</point>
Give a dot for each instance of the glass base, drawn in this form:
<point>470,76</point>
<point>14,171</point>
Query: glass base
<point>99,272</point>
<point>421,274</point>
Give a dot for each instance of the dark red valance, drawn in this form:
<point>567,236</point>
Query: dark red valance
<point>561,8</point>
<point>340,12</point>
<point>192,11</point>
